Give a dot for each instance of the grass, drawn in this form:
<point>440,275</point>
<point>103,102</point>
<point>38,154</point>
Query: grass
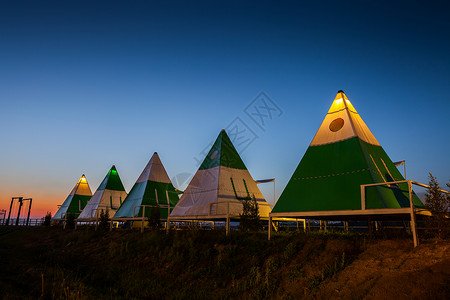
<point>88,264</point>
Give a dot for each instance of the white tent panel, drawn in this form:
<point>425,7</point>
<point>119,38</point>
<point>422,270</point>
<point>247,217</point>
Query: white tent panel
<point>157,174</point>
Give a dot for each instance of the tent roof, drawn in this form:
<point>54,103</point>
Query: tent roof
<point>109,195</point>
<point>153,187</point>
<point>341,123</point>
<point>343,155</point>
<point>112,181</point>
<point>223,153</point>
<point>219,185</point>
<point>76,200</point>
<point>82,187</point>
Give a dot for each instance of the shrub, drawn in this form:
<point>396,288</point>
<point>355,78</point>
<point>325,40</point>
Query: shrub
<point>47,219</point>
<point>70,221</point>
<point>154,221</point>
<point>439,205</point>
<point>104,219</point>
<point>249,219</point>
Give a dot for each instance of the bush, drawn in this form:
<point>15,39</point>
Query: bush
<point>154,221</point>
<point>104,219</point>
<point>249,219</point>
<point>439,205</point>
<point>47,219</point>
<point>70,221</point>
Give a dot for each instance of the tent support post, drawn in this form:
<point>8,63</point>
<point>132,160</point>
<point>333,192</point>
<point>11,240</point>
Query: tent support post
<point>168,213</point>
<point>270,228</point>
<point>20,207</point>
<point>413,216</point>
<point>29,210</point>
<point>9,214</point>
<point>227,224</point>
<point>110,225</point>
<point>143,216</point>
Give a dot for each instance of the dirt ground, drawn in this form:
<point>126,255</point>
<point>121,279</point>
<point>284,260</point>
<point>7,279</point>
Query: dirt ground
<point>393,270</point>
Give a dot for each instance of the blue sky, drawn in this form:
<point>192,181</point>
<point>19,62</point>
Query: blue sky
<point>86,85</point>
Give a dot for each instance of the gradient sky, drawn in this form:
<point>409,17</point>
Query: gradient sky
<point>88,84</point>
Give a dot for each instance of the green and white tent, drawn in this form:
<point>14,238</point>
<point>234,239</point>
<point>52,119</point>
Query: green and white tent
<point>219,186</point>
<point>76,201</point>
<point>343,155</point>
<point>153,188</point>
<point>109,196</point>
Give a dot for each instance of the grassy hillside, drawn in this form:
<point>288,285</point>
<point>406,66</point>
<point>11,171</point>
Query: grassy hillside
<point>86,264</point>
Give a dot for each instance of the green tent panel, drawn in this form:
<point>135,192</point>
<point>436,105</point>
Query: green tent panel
<point>76,201</point>
<point>109,196</point>
<point>152,188</point>
<point>343,155</point>
<point>219,186</point>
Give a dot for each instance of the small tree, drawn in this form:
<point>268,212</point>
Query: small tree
<point>249,219</point>
<point>438,204</point>
<point>47,219</point>
<point>154,221</point>
<point>104,219</point>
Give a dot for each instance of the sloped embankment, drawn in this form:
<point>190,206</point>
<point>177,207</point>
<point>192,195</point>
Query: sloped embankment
<point>85,264</point>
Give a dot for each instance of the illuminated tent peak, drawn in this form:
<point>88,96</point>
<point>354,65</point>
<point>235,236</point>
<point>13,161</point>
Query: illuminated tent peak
<point>76,201</point>
<point>108,196</point>
<point>219,186</point>
<point>152,188</point>
<point>82,187</point>
<point>343,155</point>
<point>342,122</point>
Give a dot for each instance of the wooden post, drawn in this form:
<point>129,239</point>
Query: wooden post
<point>20,207</point>
<point>168,213</point>
<point>227,225</point>
<point>29,210</point>
<point>270,228</point>
<point>143,218</point>
<point>413,216</point>
<point>42,282</point>
<point>110,225</point>
<point>363,197</point>
<point>10,208</point>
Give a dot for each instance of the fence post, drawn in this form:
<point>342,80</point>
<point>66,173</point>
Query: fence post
<point>413,216</point>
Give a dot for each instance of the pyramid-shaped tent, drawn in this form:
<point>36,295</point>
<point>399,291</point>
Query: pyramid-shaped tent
<point>343,155</point>
<point>153,188</point>
<point>219,186</point>
<point>109,196</point>
<point>76,201</point>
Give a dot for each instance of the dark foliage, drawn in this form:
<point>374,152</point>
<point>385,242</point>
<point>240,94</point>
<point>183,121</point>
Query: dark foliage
<point>47,219</point>
<point>104,220</point>
<point>438,203</point>
<point>249,219</point>
<point>154,221</point>
<point>70,221</point>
